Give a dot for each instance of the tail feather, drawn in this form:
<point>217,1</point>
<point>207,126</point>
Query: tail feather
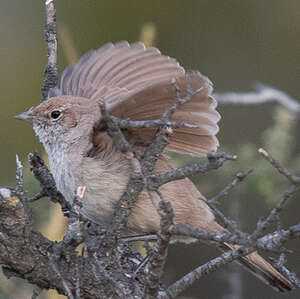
<point>257,265</point>
<point>263,270</point>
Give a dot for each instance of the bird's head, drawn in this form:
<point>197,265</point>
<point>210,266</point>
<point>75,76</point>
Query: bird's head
<point>62,119</point>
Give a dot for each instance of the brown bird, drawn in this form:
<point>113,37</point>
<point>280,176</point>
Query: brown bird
<point>137,83</point>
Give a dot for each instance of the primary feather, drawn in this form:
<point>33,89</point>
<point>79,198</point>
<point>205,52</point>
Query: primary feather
<point>138,83</point>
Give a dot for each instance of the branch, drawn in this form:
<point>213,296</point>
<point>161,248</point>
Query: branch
<point>42,174</point>
<point>26,253</point>
<point>186,281</point>
<point>282,170</point>
<point>114,131</point>
<point>263,94</point>
<point>153,123</point>
<point>50,74</point>
<point>215,161</point>
<point>159,254</point>
<point>262,225</point>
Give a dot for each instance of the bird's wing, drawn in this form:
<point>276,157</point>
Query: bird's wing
<point>138,83</point>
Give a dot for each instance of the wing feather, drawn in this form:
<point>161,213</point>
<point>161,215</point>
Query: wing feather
<point>138,83</point>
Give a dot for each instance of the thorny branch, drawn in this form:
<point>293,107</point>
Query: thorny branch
<point>114,268</point>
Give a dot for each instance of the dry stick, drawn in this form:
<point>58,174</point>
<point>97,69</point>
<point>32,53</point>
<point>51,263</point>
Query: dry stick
<point>144,238</point>
<point>239,177</point>
<point>267,242</point>
<point>262,225</point>
<point>280,266</point>
<point>114,131</point>
<point>181,229</point>
<point>136,181</point>
<point>153,123</point>
<point>228,223</point>
<point>159,255</point>
<point>56,270</point>
<point>282,170</point>
<point>118,289</point>
<point>43,175</point>
<point>19,178</point>
<point>179,286</point>
<point>36,292</point>
<point>77,286</point>
<point>215,160</point>
<point>50,74</point>
<point>155,149</point>
<point>38,196</point>
<point>74,235</point>
<point>263,94</point>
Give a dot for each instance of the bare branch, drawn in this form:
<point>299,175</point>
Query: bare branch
<point>155,149</point>
<point>114,131</point>
<point>19,178</point>
<point>263,94</point>
<point>159,254</point>
<point>50,74</point>
<point>239,177</point>
<point>280,266</point>
<point>215,160</point>
<point>42,174</point>
<point>179,286</point>
<point>153,123</point>
<point>56,270</point>
<point>292,178</point>
<point>36,293</point>
<point>123,208</point>
<point>181,229</point>
<point>262,225</point>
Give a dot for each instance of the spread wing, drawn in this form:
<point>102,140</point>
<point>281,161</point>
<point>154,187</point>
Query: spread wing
<point>138,83</point>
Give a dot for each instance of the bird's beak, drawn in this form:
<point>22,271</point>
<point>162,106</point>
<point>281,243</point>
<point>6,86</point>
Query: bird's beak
<point>27,115</point>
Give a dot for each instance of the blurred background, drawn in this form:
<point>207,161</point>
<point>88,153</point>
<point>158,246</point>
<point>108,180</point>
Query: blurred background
<point>235,43</point>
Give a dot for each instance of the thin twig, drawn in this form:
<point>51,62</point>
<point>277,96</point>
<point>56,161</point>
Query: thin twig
<point>283,170</point>
<point>239,177</point>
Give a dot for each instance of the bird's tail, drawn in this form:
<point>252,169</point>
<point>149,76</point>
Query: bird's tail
<point>258,266</point>
<point>263,270</point>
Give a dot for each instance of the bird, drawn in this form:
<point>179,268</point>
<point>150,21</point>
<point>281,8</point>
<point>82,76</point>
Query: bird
<point>137,83</point>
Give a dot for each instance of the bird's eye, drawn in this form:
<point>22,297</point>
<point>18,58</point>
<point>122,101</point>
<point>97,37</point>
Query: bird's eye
<point>55,114</point>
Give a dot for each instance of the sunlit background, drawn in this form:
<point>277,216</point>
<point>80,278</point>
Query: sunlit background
<point>235,43</point>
